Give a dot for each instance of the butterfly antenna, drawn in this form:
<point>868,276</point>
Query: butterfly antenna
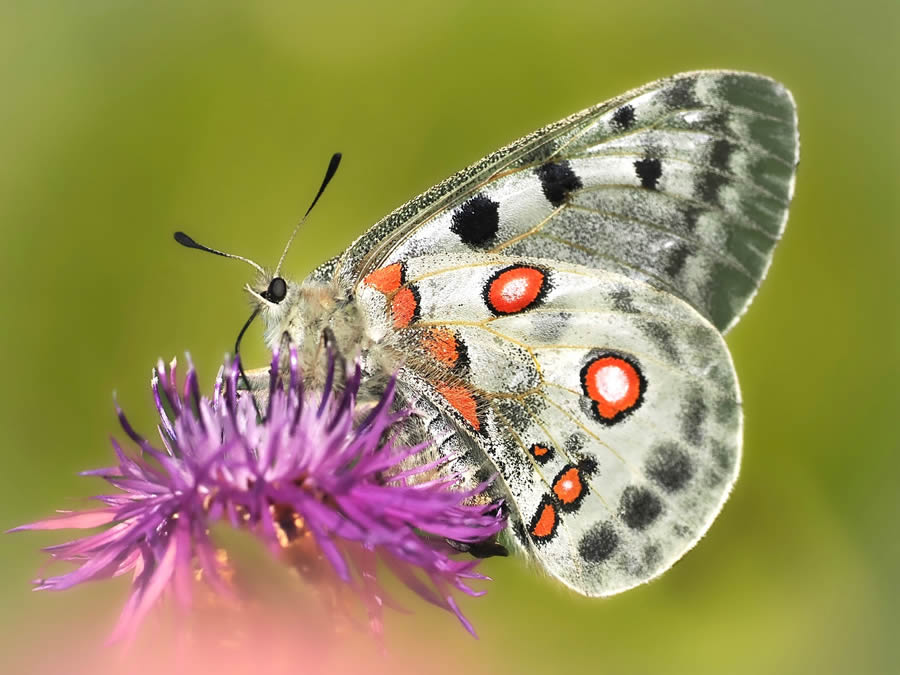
<point>188,242</point>
<point>329,174</point>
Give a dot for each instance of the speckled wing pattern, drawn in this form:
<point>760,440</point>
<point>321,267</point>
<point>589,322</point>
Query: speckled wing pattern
<point>683,183</point>
<point>556,311</point>
<point>609,409</point>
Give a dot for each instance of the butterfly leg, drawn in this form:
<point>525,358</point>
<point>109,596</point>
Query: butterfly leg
<point>258,383</point>
<point>488,548</point>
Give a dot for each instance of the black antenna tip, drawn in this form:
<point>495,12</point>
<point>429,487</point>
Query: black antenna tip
<point>329,174</point>
<point>185,240</point>
<point>333,165</point>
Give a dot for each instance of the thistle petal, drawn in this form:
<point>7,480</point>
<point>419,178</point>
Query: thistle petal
<point>309,471</point>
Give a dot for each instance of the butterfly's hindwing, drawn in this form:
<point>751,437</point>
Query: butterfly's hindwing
<point>615,433</point>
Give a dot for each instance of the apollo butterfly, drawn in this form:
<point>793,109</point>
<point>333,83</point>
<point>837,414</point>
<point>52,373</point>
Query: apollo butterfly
<point>555,313</point>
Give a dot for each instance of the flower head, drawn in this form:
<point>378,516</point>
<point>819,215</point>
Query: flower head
<point>317,478</point>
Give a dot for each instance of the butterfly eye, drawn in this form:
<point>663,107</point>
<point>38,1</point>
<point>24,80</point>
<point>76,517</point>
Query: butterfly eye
<point>276,291</point>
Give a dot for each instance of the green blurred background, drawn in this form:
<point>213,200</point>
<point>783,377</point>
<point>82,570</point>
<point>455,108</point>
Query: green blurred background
<point>123,121</point>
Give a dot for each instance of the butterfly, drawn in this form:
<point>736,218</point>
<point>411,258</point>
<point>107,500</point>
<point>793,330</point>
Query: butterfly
<point>555,314</point>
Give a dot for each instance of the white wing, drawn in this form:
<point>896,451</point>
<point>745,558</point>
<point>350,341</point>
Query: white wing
<point>615,429</point>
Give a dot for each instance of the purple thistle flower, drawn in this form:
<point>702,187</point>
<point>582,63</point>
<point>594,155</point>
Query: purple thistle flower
<point>309,472</point>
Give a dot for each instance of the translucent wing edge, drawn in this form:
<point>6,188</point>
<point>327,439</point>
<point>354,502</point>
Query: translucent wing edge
<point>783,90</point>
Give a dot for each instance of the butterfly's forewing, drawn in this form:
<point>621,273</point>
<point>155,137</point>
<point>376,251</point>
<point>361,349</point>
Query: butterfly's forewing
<point>609,409</point>
<point>683,183</point>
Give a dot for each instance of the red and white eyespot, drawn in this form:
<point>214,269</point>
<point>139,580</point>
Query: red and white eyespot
<point>515,289</point>
<point>615,384</point>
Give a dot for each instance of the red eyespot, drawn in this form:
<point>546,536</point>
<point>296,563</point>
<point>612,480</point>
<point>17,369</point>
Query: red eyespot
<point>541,453</point>
<point>615,384</point>
<point>568,486</point>
<point>515,289</point>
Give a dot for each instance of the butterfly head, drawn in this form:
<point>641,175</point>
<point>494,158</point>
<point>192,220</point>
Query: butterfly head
<point>279,295</point>
<point>272,298</point>
<point>276,291</point>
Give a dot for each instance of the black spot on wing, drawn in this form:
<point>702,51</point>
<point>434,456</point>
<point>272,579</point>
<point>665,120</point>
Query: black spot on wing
<point>669,467</point>
<point>623,301</point>
<point>662,337</point>
<point>649,172</point>
<point>574,444</point>
<point>682,530</point>
<point>723,456</point>
<point>599,543</point>
<point>720,153</point>
<point>652,556</point>
<point>708,185</point>
<point>642,564</point>
<point>587,464</point>
<point>727,408</point>
<point>639,507</point>
<point>623,118</point>
<point>476,221</point>
<point>677,257</point>
<point>693,416</point>
<point>681,95</point>
<point>558,181</point>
